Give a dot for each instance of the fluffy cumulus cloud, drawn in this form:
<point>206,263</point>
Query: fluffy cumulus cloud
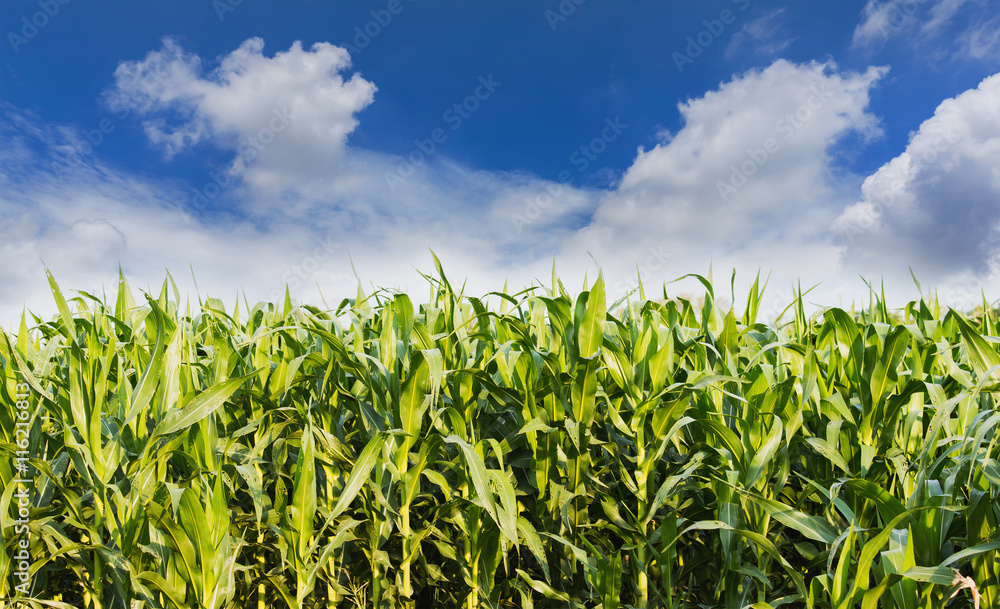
<point>287,119</point>
<point>936,206</point>
<point>287,116</point>
<point>294,205</point>
<point>745,182</point>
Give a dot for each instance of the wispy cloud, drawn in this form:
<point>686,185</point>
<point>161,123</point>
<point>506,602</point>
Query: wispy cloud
<point>982,40</point>
<point>941,14</point>
<point>938,29</point>
<point>880,19</point>
<point>765,36</point>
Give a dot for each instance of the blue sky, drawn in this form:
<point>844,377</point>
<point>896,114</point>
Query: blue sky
<point>650,137</point>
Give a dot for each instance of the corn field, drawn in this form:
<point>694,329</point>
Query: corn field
<point>532,449</point>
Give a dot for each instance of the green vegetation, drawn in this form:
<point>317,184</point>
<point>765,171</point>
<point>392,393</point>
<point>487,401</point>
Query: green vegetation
<point>531,449</point>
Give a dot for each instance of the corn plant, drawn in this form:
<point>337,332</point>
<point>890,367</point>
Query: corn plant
<point>535,448</point>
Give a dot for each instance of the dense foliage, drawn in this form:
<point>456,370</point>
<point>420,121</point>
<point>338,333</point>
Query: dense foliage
<point>531,449</point>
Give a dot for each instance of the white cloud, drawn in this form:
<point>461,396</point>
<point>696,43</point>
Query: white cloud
<point>879,20</point>
<point>92,217</point>
<point>287,116</point>
<point>307,173</point>
<point>936,206</point>
<point>941,13</point>
<point>765,36</point>
<point>746,181</point>
<point>937,29</point>
<point>750,180</point>
<point>982,40</point>
<point>86,219</point>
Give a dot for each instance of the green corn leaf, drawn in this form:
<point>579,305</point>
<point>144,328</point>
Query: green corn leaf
<point>359,474</point>
<point>200,407</point>
<point>65,315</point>
<point>985,360</point>
<point>810,526</point>
<point>191,516</point>
<point>884,374</point>
<point>592,325</point>
<point>762,458</point>
<point>412,402</point>
<point>303,508</point>
<point>480,480</point>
